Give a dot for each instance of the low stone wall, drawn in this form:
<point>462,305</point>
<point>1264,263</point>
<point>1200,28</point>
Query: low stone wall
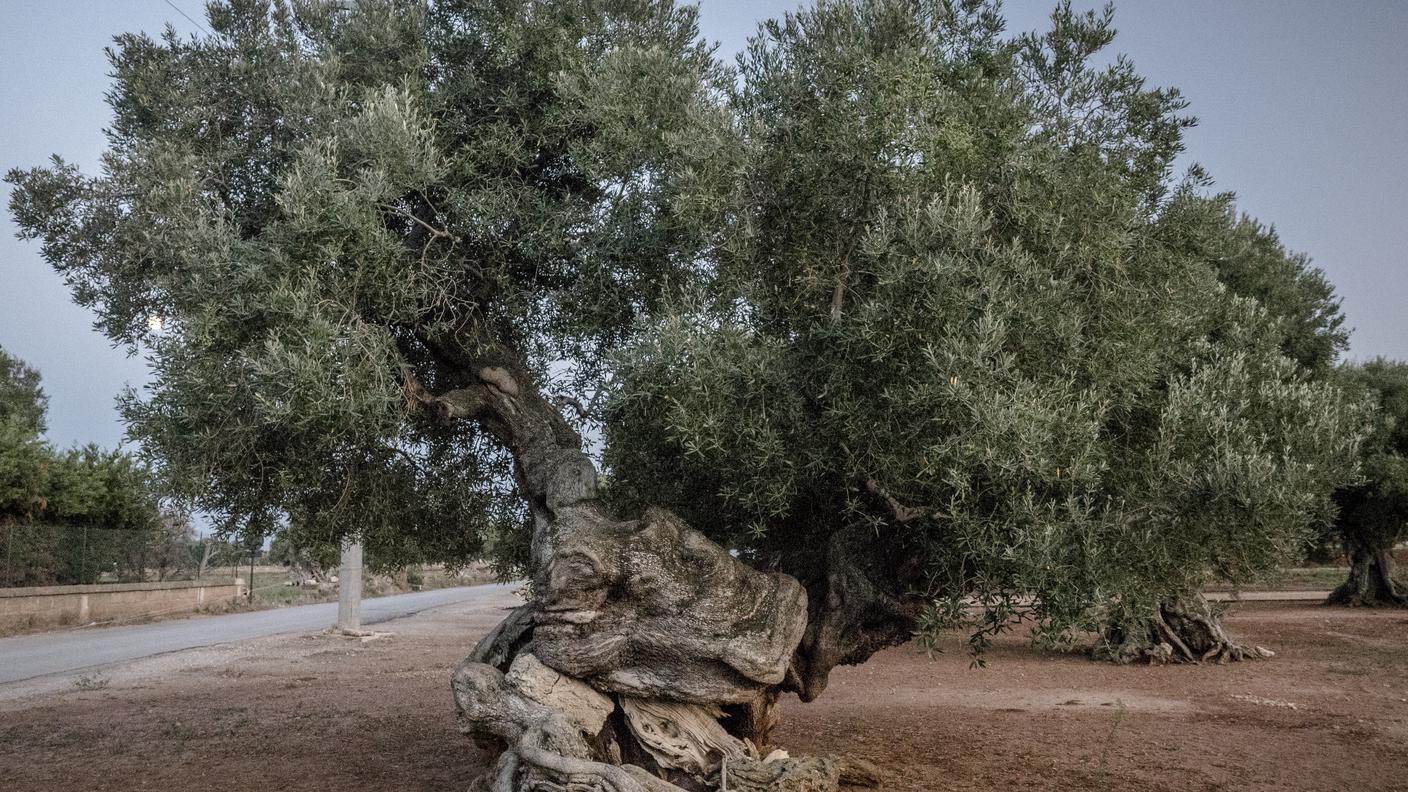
<point>47,606</point>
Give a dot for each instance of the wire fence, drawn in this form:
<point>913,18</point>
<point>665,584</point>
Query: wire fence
<point>36,554</point>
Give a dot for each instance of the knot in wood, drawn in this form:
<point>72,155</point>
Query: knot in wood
<point>500,378</point>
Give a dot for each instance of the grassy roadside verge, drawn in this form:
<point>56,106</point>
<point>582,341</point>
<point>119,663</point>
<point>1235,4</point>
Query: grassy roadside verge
<point>271,589</point>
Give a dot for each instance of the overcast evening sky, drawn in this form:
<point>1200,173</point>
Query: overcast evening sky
<point>1303,107</point>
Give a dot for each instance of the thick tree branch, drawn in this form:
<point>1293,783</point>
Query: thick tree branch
<point>838,294</point>
<point>551,468</point>
<point>563,400</point>
<point>903,514</point>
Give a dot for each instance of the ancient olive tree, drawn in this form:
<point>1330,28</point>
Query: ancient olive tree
<point>1372,510</point>
<point>969,353</point>
<point>1304,320</point>
<point>914,335</point>
<point>1373,513</point>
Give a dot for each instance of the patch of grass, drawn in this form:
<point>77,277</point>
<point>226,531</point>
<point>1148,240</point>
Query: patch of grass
<point>91,682</point>
<point>1315,578</point>
<point>270,590</point>
<point>178,733</point>
<point>474,575</point>
<point>232,720</point>
<point>1104,766</point>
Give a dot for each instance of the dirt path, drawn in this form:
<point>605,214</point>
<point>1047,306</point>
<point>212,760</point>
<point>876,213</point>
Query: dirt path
<point>1330,712</point>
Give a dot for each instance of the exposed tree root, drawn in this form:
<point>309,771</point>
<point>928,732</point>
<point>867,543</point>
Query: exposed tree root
<point>1186,629</point>
<point>806,774</point>
<point>546,749</point>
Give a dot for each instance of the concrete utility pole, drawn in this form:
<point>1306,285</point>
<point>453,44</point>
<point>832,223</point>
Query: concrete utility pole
<point>349,589</point>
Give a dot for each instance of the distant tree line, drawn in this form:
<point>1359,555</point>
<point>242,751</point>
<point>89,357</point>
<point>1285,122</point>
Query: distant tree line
<point>81,515</point>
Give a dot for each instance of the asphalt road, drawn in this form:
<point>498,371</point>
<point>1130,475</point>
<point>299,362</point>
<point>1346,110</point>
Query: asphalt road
<point>28,656</point>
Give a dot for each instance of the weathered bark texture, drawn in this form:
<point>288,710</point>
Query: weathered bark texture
<point>861,599</point>
<point>650,658</point>
<point>1187,629</point>
<point>1370,583</point>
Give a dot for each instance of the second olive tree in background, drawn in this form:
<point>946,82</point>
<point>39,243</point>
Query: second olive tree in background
<point>1373,514</point>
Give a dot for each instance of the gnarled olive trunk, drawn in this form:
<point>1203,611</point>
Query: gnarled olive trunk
<point>650,658</point>
<point>1186,629</point>
<point>1370,583</point>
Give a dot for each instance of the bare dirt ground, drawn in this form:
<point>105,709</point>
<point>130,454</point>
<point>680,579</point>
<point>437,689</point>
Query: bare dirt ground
<point>1330,712</point>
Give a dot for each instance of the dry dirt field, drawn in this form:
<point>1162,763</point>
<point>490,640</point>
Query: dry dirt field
<point>1330,712</point>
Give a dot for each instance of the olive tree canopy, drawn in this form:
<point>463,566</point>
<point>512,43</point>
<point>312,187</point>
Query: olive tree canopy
<point>968,330</point>
<point>316,206</point>
<point>1373,513</point>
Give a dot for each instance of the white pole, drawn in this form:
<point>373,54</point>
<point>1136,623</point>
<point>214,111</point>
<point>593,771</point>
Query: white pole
<point>349,589</point>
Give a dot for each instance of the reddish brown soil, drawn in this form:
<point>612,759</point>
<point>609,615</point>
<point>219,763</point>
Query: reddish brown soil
<point>1330,712</point>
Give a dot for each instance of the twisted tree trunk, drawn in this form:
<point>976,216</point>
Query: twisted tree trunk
<point>1370,583</point>
<point>649,657</point>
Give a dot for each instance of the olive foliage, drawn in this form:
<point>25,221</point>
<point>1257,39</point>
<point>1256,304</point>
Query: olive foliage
<point>319,203</point>
<point>961,300</point>
<point>1373,514</point>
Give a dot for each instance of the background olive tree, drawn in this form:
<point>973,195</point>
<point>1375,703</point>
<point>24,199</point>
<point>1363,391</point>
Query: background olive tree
<point>1373,513</point>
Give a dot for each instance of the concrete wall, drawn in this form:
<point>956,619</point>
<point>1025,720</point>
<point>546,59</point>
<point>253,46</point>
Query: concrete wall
<point>44,606</point>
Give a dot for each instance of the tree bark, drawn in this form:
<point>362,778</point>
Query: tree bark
<point>206,552</point>
<point>666,652</point>
<point>1370,583</point>
<point>349,589</point>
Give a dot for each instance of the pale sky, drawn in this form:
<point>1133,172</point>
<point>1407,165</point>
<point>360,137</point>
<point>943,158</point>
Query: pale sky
<point>1303,107</point>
